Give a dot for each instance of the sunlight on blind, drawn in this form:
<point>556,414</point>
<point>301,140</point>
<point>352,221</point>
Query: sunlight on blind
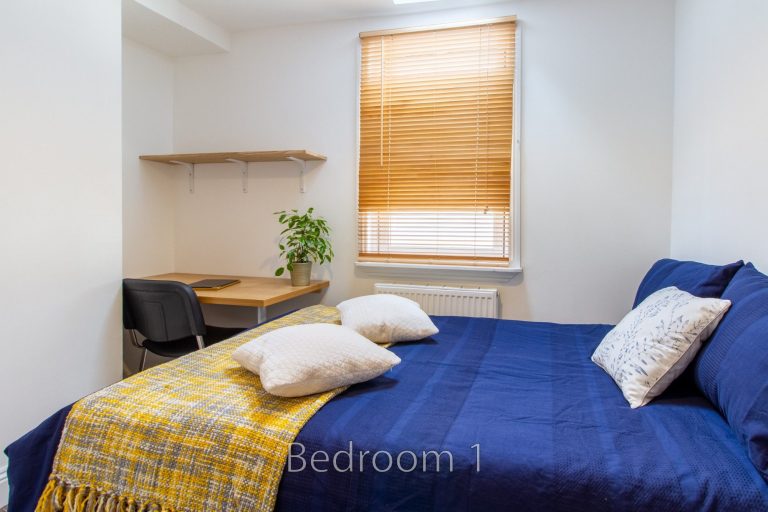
<point>436,146</point>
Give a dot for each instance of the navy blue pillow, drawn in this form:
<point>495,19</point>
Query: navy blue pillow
<point>732,367</point>
<point>699,279</point>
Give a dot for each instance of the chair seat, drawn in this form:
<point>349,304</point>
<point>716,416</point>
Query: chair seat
<point>183,346</point>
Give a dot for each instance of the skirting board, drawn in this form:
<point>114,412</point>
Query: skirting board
<point>3,486</point>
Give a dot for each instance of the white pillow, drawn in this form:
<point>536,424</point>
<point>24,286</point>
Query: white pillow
<point>386,318</point>
<point>305,359</point>
<point>656,341</point>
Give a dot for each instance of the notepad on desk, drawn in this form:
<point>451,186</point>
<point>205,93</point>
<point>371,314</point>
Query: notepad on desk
<point>213,284</point>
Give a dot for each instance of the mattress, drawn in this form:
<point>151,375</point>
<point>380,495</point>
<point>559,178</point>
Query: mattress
<point>493,415</point>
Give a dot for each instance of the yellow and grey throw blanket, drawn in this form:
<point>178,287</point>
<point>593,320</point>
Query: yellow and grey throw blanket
<point>196,434</point>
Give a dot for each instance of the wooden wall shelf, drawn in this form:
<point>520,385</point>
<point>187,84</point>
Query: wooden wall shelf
<point>243,156</point>
<point>189,160</point>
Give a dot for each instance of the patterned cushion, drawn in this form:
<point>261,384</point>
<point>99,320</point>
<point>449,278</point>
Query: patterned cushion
<point>386,318</point>
<point>732,370</point>
<point>656,341</point>
<point>695,278</point>
<point>306,359</point>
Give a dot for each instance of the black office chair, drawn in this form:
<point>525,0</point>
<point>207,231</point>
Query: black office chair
<point>169,316</point>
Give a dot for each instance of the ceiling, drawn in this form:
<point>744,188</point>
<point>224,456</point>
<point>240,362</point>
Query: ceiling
<point>238,15</point>
<point>166,33</point>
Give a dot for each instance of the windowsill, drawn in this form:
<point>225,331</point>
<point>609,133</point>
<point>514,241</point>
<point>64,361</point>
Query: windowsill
<point>438,271</point>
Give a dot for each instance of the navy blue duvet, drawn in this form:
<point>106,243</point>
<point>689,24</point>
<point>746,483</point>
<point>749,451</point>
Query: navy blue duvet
<point>552,430</point>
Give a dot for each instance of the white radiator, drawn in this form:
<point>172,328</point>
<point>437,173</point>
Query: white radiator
<point>447,300</point>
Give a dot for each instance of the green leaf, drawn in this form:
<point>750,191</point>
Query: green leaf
<point>304,238</point>
<point>279,271</point>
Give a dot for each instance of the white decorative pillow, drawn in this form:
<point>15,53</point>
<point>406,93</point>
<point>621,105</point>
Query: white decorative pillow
<point>386,318</point>
<point>311,358</point>
<point>656,341</point>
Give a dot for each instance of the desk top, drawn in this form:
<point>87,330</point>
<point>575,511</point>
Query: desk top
<point>251,291</point>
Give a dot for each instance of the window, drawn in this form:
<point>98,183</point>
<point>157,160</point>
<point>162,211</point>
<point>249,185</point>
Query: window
<point>436,123</point>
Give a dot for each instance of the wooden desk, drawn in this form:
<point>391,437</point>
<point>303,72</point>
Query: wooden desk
<point>255,292</point>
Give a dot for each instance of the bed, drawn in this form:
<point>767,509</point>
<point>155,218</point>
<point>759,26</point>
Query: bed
<point>530,423</point>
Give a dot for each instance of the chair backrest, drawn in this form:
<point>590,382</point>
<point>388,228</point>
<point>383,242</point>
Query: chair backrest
<point>162,310</point>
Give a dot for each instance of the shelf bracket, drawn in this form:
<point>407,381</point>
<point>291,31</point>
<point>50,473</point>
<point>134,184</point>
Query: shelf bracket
<point>302,169</point>
<point>243,171</point>
<point>190,173</point>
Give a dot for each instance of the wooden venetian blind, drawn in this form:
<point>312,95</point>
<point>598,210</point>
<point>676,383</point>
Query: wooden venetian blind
<point>436,145</point>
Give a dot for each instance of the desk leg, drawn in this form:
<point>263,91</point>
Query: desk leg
<point>261,315</point>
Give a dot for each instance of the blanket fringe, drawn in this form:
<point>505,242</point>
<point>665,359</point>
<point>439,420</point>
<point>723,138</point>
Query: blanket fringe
<point>59,496</point>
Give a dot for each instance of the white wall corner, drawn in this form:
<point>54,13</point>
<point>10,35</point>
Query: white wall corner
<point>172,28</point>
<point>3,486</point>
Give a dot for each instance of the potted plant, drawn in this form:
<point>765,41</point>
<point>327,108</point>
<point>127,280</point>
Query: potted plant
<point>305,239</point>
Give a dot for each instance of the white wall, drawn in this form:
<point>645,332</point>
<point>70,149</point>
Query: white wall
<point>148,188</point>
<point>719,207</point>
<point>60,206</point>
<point>596,156</point>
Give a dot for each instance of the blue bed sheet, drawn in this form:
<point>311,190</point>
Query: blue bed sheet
<point>553,430</point>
